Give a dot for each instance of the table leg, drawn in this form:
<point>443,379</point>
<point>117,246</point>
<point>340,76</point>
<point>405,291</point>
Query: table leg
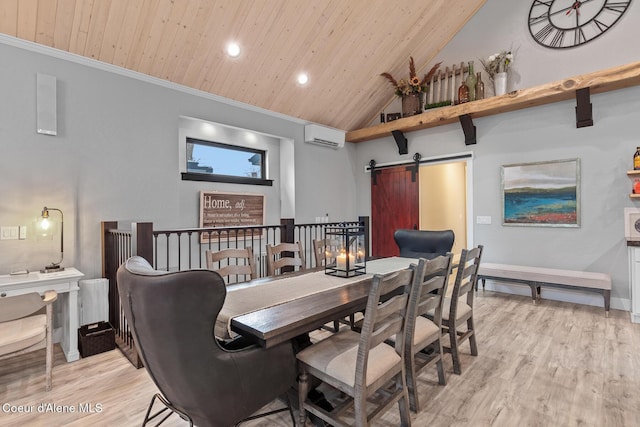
<point>607,299</point>
<point>70,324</point>
<point>533,293</point>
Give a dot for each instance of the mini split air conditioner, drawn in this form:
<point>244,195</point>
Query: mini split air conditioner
<point>321,135</point>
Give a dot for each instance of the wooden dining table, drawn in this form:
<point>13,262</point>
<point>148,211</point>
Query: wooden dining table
<point>273,310</point>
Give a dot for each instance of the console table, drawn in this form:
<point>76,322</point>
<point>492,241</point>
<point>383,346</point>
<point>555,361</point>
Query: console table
<point>65,283</point>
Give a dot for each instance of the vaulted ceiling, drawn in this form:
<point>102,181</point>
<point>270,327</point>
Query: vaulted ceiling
<point>343,45</point>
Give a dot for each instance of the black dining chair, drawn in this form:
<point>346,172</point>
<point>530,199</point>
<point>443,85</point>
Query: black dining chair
<point>426,244</point>
<point>205,381</point>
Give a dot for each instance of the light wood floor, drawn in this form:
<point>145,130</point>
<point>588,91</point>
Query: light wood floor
<point>554,364</point>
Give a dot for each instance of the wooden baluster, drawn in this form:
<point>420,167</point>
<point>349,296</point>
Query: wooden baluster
<point>446,84</point>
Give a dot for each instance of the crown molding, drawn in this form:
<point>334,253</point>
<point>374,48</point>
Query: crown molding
<point>110,68</point>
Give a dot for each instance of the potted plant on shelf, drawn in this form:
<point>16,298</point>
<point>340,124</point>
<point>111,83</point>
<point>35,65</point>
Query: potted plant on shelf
<point>497,66</point>
<point>411,90</point>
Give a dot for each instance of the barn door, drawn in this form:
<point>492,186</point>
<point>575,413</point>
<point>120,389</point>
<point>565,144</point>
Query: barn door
<point>394,204</point>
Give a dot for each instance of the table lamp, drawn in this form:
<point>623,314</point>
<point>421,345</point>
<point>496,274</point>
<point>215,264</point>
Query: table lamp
<point>44,224</point>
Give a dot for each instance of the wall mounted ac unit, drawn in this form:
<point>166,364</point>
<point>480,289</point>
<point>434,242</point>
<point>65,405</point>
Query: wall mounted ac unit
<point>321,135</point>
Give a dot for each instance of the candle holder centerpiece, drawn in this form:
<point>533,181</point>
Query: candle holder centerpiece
<point>350,259</point>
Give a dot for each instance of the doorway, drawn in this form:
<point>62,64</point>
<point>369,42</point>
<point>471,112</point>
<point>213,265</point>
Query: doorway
<point>439,199</point>
<point>443,200</point>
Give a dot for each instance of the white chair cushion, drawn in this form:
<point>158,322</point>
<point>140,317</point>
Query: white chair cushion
<point>336,356</point>
<point>19,334</point>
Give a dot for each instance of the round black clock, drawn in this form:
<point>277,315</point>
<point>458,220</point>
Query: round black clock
<point>561,24</point>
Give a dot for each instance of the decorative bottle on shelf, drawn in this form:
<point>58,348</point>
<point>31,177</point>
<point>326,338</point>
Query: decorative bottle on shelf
<point>479,87</point>
<point>463,93</point>
<point>471,82</point>
<point>636,160</point>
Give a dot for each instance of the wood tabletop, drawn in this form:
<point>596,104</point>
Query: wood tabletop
<point>273,325</point>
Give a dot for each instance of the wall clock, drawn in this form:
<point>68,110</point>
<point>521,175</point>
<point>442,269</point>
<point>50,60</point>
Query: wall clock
<point>561,24</point>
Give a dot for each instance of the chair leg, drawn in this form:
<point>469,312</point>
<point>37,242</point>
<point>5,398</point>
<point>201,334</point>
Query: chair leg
<point>303,386</point>
<point>472,337</point>
<point>167,407</point>
<point>440,366</point>
<point>412,385</point>
<point>403,404</point>
<point>48,360</point>
<point>453,338</point>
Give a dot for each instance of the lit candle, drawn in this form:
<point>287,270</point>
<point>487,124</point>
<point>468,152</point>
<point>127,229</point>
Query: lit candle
<point>341,261</point>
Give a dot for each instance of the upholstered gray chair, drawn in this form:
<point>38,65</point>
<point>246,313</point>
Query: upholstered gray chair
<point>208,383</point>
<point>426,244</point>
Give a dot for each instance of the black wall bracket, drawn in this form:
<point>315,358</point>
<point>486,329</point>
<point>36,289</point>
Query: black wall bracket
<point>401,141</point>
<point>584,113</point>
<point>468,128</point>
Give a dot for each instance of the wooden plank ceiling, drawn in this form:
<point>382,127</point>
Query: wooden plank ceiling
<point>343,45</point>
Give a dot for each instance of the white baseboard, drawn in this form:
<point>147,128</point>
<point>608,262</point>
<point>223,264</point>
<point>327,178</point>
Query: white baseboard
<point>556,294</point>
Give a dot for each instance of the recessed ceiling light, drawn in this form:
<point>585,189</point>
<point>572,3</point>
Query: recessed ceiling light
<point>303,79</point>
<point>233,50</point>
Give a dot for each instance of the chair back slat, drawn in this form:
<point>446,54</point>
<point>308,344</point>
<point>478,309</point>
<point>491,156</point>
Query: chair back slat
<point>221,262</point>
<point>276,261</point>
<point>385,319</point>
<point>428,290</point>
<point>325,251</point>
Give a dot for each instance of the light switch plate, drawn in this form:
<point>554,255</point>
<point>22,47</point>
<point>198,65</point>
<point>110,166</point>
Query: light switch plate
<point>483,220</point>
<point>9,233</point>
<point>22,232</point>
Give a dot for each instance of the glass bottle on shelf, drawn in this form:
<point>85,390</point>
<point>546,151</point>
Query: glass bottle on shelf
<point>636,159</point>
<point>471,82</point>
<point>479,86</point>
<point>463,93</point>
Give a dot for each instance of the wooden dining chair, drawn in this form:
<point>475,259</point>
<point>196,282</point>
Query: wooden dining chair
<point>23,327</point>
<point>325,250</point>
<point>277,259</point>
<point>458,308</point>
<point>423,341</point>
<point>361,364</point>
<point>232,262</point>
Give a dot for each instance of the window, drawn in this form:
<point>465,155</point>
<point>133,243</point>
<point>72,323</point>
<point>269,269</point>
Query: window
<point>214,161</point>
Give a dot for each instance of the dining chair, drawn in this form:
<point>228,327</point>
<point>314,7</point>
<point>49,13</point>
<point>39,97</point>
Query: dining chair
<point>423,243</point>
<point>325,250</point>
<point>423,341</point>
<point>277,259</point>
<point>205,381</point>
<point>361,364</point>
<point>232,262</point>
<point>458,308</point>
<point>23,327</point>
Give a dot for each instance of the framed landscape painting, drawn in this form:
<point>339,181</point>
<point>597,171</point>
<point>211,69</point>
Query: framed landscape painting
<point>545,194</point>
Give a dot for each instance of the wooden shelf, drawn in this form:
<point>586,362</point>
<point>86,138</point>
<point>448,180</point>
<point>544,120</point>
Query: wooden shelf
<point>598,82</point>
<point>633,173</point>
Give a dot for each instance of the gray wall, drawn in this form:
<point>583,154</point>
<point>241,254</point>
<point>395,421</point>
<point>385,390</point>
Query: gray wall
<point>116,156</point>
<point>539,134</point>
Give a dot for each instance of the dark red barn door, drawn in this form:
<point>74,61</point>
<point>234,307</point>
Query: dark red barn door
<point>394,204</point>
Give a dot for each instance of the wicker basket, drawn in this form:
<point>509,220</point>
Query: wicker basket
<point>96,338</point>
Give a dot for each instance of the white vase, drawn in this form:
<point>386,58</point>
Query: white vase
<point>500,83</point>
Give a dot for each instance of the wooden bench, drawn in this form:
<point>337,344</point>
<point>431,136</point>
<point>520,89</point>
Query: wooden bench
<point>536,277</point>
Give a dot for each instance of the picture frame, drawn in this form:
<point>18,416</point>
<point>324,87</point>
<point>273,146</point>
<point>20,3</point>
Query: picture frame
<point>541,194</point>
<point>222,209</point>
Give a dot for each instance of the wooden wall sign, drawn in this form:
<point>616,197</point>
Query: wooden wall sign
<point>218,209</point>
